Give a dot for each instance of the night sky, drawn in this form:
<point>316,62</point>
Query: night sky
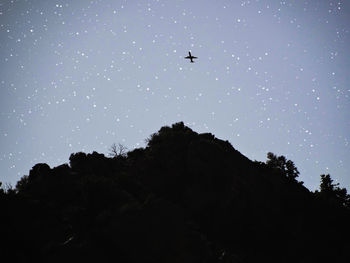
<point>270,76</point>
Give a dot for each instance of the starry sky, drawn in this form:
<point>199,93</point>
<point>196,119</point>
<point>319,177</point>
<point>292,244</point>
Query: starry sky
<point>82,75</point>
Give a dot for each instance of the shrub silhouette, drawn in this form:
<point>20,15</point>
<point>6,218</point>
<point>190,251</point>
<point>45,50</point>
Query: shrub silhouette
<point>286,167</point>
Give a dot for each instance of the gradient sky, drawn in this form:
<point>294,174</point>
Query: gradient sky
<point>81,75</point>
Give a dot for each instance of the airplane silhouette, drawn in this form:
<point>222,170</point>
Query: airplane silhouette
<point>190,57</point>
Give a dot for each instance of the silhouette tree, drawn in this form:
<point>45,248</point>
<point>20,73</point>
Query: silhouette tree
<point>286,167</point>
<point>117,150</point>
<point>327,185</point>
<point>332,192</point>
<point>2,191</point>
<point>6,188</point>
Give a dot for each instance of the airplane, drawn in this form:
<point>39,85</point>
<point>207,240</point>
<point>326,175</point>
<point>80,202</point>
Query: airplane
<point>190,57</point>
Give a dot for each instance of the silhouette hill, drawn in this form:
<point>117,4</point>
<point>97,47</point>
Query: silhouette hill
<point>186,197</point>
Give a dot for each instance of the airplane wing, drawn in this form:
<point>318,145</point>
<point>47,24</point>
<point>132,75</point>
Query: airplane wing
<point>194,57</point>
<point>188,57</point>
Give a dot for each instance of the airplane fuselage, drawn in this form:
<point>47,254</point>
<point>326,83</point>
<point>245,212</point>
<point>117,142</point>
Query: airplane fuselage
<point>190,57</point>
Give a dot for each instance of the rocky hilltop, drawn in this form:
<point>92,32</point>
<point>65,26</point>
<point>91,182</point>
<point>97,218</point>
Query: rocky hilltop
<point>185,197</point>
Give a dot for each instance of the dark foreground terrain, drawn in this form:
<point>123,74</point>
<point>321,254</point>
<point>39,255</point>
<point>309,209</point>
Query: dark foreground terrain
<point>185,198</point>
